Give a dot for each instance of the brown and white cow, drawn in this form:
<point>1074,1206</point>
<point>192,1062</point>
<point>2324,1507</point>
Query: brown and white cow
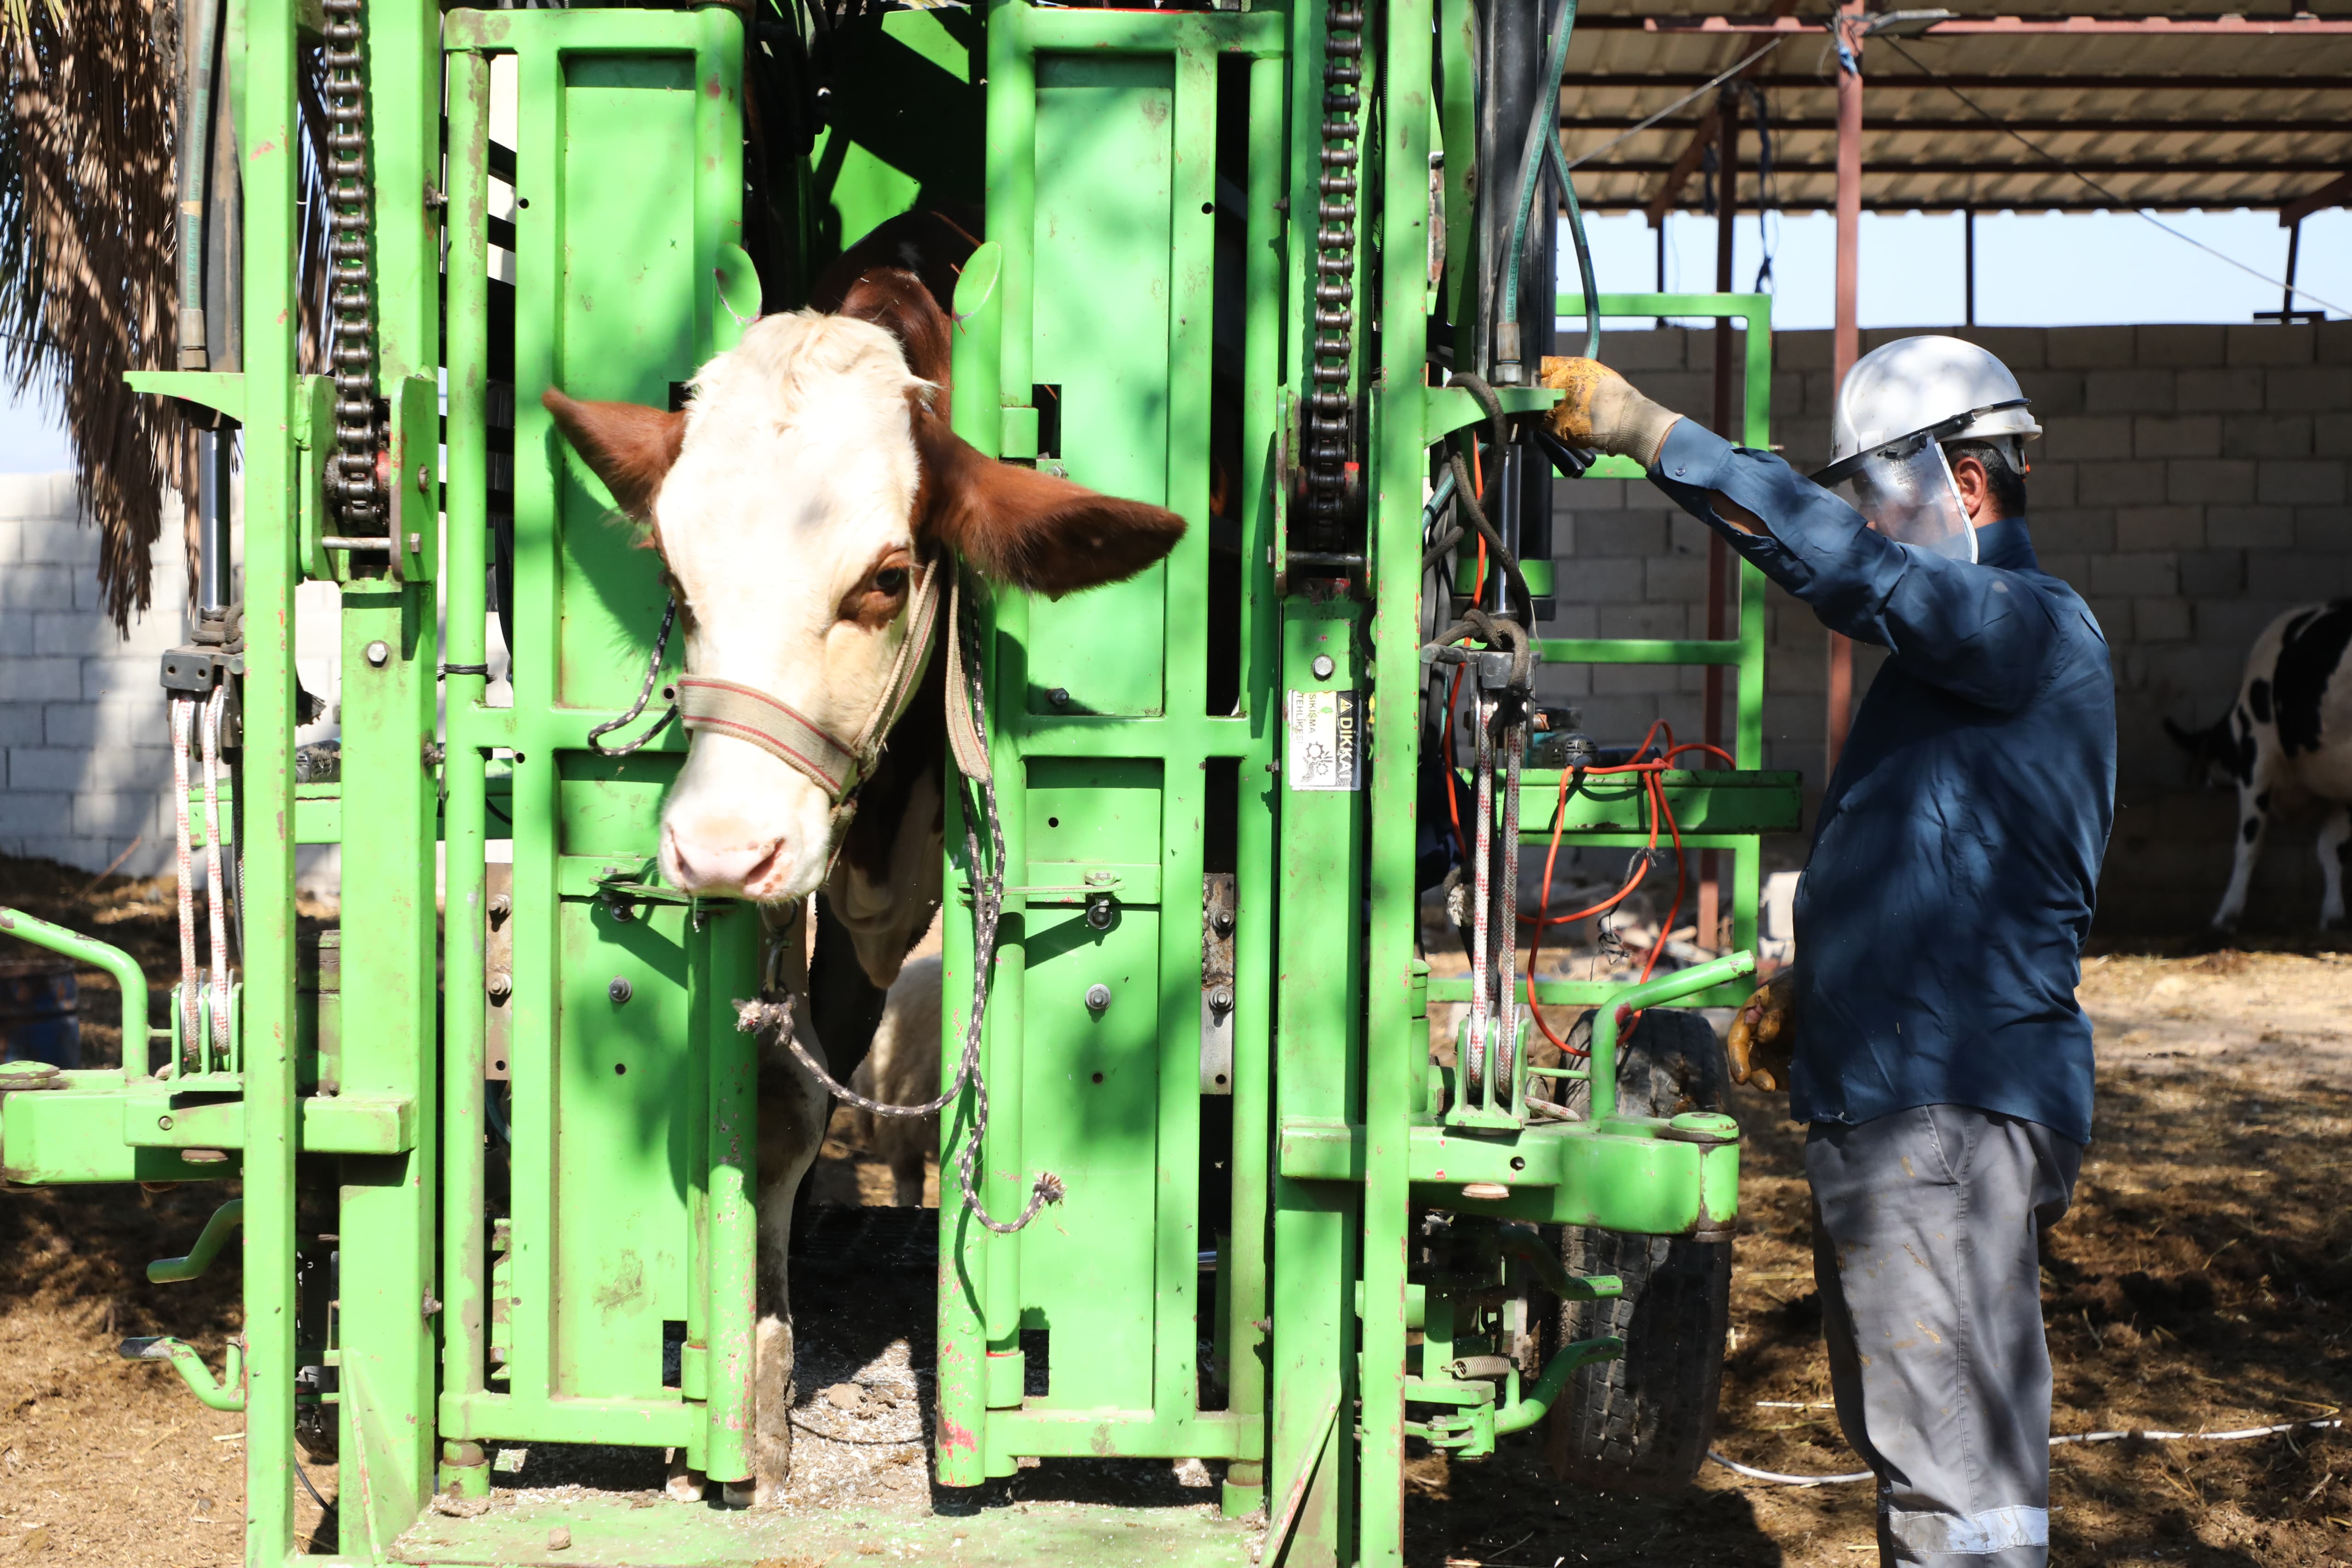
<point>2287,743</point>
<point>796,503</point>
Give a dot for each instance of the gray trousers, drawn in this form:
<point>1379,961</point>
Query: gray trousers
<point>1926,1250</point>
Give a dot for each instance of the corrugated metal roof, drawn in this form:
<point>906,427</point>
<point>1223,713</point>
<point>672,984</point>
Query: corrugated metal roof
<point>2215,115</point>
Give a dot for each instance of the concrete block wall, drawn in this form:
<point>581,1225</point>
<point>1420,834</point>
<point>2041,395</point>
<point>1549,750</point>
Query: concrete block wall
<point>84,741</point>
<point>2194,482</point>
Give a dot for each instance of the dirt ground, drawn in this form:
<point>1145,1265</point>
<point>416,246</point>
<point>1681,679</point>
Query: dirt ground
<point>2202,1281</point>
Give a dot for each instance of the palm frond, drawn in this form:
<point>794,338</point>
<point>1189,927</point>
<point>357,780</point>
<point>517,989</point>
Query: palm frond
<point>87,239</point>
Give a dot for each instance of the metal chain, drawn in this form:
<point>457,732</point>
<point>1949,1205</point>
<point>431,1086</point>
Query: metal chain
<point>988,904</point>
<point>645,694</point>
<point>352,486</point>
<point>1330,399</point>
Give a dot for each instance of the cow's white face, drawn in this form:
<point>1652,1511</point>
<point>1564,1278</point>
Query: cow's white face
<point>787,525</point>
<point>794,504</point>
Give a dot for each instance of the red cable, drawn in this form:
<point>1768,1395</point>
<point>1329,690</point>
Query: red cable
<point>1453,695</point>
<point>1654,789</point>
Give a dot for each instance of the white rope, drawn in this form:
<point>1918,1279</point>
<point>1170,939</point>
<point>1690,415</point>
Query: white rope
<point>216,888</point>
<point>1506,1037</point>
<point>2140,1434</point>
<point>183,711</point>
<point>1482,890</point>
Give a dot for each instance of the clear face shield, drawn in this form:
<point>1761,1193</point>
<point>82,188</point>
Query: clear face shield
<point>1905,490</point>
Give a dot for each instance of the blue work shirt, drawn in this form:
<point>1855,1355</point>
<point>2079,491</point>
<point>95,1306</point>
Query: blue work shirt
<point>1941,917</point>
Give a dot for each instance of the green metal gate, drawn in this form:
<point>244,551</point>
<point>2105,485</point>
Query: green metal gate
<point>1209,1014</point>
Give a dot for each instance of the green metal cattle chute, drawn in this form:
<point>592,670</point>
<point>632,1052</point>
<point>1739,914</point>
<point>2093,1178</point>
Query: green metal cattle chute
<point>494,1132</point>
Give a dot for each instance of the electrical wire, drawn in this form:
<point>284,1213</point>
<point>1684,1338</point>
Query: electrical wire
<point>2137,211</point>
<point>303,1475</point>
<point>1651,772</point>
<point>1687,99</point>
<point>2242,1435</point>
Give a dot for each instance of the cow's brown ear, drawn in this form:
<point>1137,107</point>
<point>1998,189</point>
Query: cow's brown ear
<point>630,447</point>
<point>1016,525</point>
<point>896,300</point>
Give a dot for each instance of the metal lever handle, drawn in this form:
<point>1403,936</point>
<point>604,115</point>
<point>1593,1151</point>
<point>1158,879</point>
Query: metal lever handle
<point>214,1236</point>
<point>228,1394</point>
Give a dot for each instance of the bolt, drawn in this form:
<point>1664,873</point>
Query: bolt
<point>620,991</point>
<point>379,653</point>
<point>1223,922</point>
<point>1221,1000</point>
<point>420,489</point>
<point>501,986</point>
<point>165,1123</point>
<point>1323,667</point>
<point>502,905</point>
<point>1097,997</point>
<point>1059,697</point>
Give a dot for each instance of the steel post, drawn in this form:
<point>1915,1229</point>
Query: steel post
<point>963,1260</point>
<point>1241,1290</point>
<point>465,1326</point>
<point>271,130</point>
<point>1396,1043</point>
<point>734,1227</point>
<point>1846,343</point>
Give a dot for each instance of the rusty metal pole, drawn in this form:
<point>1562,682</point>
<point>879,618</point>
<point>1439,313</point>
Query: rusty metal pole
<point>1719,556</point>
<point>1846,342</point>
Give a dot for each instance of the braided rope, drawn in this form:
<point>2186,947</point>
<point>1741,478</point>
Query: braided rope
<point>183,713</point>
<point>216,885</point>
<point>988,904</point>
<point>645,694</point>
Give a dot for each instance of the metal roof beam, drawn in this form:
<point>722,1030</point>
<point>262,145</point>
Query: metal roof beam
<point>2334,194</point>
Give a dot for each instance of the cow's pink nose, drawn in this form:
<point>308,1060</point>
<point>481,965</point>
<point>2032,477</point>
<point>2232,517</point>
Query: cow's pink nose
<point>749,864</point>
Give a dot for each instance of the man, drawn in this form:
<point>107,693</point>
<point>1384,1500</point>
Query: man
<point>1937,1051</point>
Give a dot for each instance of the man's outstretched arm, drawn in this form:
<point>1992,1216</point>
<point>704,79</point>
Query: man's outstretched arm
<point>1956,626</point>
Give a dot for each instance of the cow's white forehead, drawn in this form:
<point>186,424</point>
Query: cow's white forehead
<point>798,442</point>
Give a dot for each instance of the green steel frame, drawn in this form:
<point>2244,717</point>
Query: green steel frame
<point>551,1169</point>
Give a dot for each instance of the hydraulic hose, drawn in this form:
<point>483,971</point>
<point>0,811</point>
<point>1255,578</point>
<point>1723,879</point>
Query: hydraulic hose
<point>199,26</point>
<point>1541,129</point>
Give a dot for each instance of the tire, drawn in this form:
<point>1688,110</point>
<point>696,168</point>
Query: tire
<point>1641,1423</point>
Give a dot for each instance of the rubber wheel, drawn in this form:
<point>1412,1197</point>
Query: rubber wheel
<point>1641,1423</point>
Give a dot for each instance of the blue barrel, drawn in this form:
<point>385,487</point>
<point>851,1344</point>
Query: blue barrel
<point>40,1011</point>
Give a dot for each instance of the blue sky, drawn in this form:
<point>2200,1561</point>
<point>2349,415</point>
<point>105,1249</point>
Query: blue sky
<point>2033,269</point>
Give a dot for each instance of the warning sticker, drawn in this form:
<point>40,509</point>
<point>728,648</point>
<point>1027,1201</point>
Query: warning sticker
<point>1326,741</point>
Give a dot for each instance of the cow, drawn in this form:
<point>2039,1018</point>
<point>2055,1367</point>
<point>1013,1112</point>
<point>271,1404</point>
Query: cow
<point>902,1068</point>
<point>2287,741</point>
<point>799,504</point>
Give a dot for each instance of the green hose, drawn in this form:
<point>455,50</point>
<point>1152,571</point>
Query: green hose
<point>1530,175</point>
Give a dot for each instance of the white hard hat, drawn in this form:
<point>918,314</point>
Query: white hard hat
<point>1916,385</point>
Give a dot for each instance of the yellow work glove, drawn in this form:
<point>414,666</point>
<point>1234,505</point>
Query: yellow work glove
<point>1602,413</point>
<point>1764,1035</point>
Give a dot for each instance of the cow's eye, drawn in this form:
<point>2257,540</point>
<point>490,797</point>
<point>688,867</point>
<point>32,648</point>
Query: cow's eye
<point>891,580</point>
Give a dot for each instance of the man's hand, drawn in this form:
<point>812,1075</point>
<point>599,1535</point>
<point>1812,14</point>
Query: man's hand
<point>1602,412</point>
<point>1764,1035</point>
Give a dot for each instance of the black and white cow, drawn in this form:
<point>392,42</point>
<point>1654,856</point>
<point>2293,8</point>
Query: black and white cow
<point>2287,741</point>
